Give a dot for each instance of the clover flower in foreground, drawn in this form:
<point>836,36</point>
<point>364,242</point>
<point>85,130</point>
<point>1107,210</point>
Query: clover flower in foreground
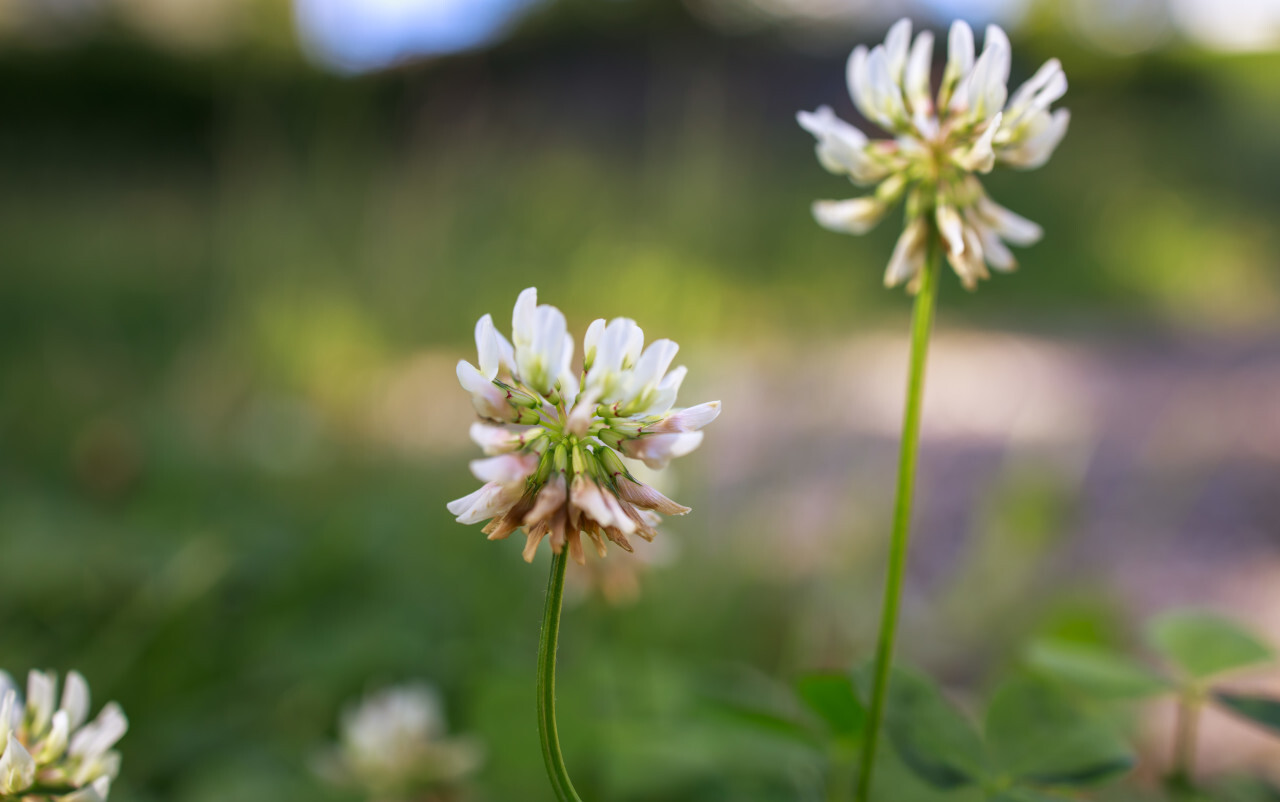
<point>555,435</point>
<point>49,751</point>
<point>940,142</point>
<point>394,745</point>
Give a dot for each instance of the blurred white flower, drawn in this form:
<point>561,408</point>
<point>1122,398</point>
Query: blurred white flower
<point>940,141</point>
<point>560,476</point>
<point>394,745</point>
<point>50,751</point>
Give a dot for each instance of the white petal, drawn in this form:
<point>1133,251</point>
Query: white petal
<point>667,392</point>
<point>101,734</point>
<point>97,792</point>
<point>987,85</point>
<point>951,227</point>
<point>635,344</point>
<point>492,500</point>
<point>855,216</point>
<point>592,339</point>
<point>17,767</point>
<point>996,37</point>
<point>916,76</point>
<point>568,382</point>
<point>42,688</point>
<point>522,317</point>
<point>460,505</point>
<point>1036,150</point>
<point>842,148</point>
<point>653,364</point>
<point>1011,227</point>
<point>959,65</point>
<point>908,254</point>
<point>75,699</point>
<point>487,346</point>
<point>859,85</point>
<point>896,44</point>
<point>960,49</point>
<point>1047,85</point>
<point>886,106</point>
<point>674,379</point>
<point>620,339</point>
<point>8,705</point>
<point>997,254</point>
<point>489,400</point>
<point>981,156</point>
<point>55,743</point>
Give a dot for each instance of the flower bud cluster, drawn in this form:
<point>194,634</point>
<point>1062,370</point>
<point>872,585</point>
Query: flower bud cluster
<point>555,436</point>
<point>940,141</point>
<point>395,746</point>
<point>49,751</point>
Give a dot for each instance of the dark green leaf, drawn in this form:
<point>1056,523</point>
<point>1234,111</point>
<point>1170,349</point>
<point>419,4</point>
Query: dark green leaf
<point>833,698</point>
<point>759,703</point>
<point>933,738</point>
<point>1036,735</point>
<point>1202,644</point>
<point>1261,710</point>
<point>767,722</point>
<point>1094,670</point>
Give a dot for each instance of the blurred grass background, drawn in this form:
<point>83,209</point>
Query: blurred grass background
<point>235,274</point>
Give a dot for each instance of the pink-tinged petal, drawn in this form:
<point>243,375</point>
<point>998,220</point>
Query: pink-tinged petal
<point>657,450</point>
<point>495,439</point>
<point>587,496</point>
<point>505,468</point>
<point>460,505</point>
<point>689,419</point>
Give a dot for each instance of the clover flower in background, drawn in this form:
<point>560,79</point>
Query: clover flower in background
<point>394,746</point>
<point>940,142</point>
<point>556,437</point>
<point>49,751</point>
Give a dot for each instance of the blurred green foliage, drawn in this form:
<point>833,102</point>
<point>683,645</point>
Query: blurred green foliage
<point>209,264</point>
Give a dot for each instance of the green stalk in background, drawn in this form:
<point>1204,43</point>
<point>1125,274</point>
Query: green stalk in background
<point>551,753</point>
<point>1184,743</point>
<point>921,326</point>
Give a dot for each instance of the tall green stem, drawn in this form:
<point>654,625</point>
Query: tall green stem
<point>921,325</point>
<point>1184,745</point>
<point>551,753</point>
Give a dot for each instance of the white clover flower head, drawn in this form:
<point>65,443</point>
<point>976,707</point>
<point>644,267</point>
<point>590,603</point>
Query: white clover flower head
<point>395,744</point>
<point>940,142</point>
<point>554,436</point>
<point>48,748</point>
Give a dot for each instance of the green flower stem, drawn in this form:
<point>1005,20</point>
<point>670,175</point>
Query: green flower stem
<point>1185,739</point>
<point>921,325</point>
<point>551,754</point>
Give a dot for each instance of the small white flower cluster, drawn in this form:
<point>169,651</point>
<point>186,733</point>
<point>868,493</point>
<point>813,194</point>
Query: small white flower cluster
<point>394,744</point>
<point>49,750</point>
<point>940,142</point>
<point>554,466</point>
